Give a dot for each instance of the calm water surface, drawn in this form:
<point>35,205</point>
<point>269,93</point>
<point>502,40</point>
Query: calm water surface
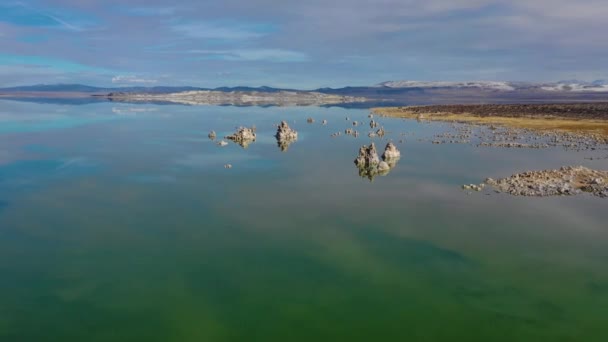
<point>119,223</point>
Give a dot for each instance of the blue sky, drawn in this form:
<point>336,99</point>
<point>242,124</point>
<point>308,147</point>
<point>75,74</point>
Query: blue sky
<point>303,44</point>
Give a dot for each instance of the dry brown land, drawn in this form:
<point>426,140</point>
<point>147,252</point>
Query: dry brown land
<point>586,118</point>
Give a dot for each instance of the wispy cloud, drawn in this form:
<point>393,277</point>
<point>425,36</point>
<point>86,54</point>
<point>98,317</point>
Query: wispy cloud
<point>21,13</point>
<point>151,11</point>
<point>251,55</point>
<point>223,30</point>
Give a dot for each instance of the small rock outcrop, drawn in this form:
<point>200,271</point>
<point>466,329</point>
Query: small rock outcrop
<point>474,187</point>
<point>212,135</point>
<point>285,136</point>
<point>310,120</point>
<point>244,136</point>
<point>284,132</point>
<point>368,162</point>
<point>370,165</point>
<point>368,156</point>
<point>566,181</point>
<point>381,132</point>
<point>222,143</point>
<point>391,152</point>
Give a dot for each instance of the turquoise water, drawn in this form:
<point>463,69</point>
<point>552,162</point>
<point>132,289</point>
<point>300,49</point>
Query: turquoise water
<point>120,223</point>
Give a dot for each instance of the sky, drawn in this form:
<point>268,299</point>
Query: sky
<point>303,44</point>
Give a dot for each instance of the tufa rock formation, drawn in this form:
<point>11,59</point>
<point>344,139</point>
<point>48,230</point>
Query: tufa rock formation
<point>381,132</point>
<point>368,156</point>
<point>243,136</point>
<point>391,152</point>
<point>285,136</point>
<point>369,164</point>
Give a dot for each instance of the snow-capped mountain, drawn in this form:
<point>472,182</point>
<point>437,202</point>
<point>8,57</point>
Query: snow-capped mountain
<point>561,86</point>
<point>489,85</point>
<point>578,86</point>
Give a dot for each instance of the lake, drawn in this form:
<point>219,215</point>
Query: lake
<point>119,222</point>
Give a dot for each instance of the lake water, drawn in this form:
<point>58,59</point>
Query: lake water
<point>119,222</point>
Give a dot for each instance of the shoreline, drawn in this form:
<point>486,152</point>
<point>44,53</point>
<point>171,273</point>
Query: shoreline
<point>206,97</point>
<point>583,118</point>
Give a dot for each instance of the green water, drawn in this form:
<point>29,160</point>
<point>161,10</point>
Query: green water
<point>119,227</point>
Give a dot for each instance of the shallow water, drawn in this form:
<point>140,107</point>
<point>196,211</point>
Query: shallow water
<point>120,223</point>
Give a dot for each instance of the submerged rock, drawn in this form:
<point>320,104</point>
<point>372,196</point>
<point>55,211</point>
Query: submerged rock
<point>222,143</point>
<point>391,152</point>
<point>212,135</point>
<point>285,136</point>
<point>324,122</point>
<point>310,120</point>
<point>243,136</point>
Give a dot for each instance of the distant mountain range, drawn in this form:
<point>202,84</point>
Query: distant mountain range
<point>391,93</point>
<point>384,88</point>
<point>81,88</point>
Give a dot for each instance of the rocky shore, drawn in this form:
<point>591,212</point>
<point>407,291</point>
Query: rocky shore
<point>566,181</point>
<point>585,111</point>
